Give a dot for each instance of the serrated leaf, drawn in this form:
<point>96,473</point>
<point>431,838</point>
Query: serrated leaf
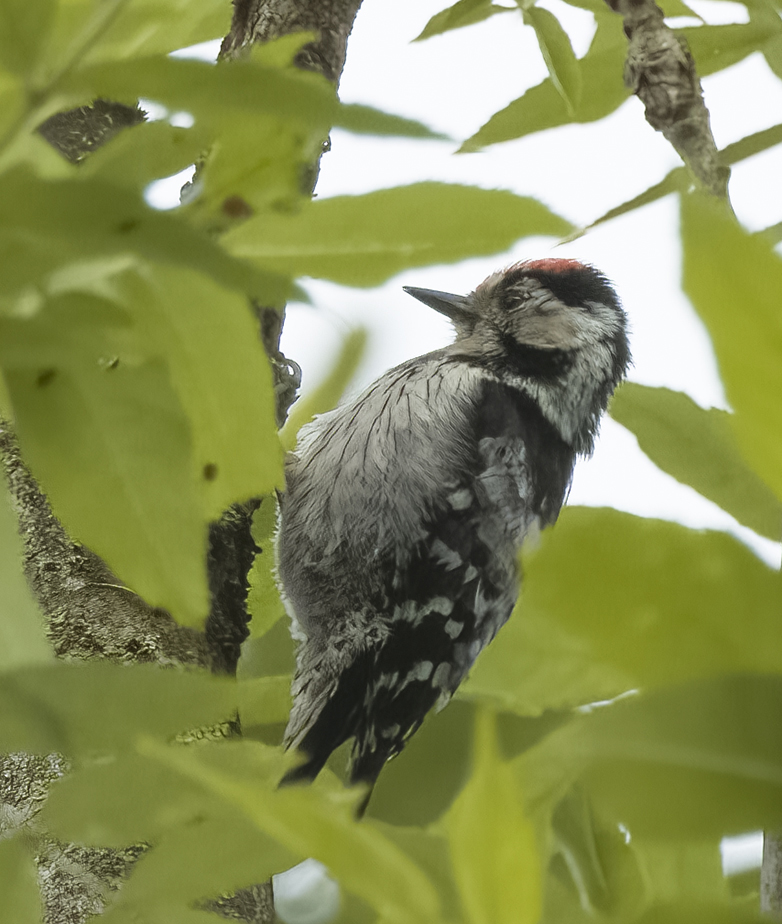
<point>698,448</point>
<point>542,107</point>
<point>24,27</point>
<point>495,859</point>
<point>21,902</point>
<point>57,708</point>
<point>615,625</point>
<point>733,278</point>
<point>363,240</point>
<point>558,54</point>
<point>463,13</point>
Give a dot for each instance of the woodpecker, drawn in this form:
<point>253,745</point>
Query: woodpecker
<point>405,509</point>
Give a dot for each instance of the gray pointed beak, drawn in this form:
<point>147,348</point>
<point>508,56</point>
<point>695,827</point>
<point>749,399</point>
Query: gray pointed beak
<point>456,308</point>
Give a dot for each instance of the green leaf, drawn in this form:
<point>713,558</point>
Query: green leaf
<point>678,179</point>
<point>675,8</point>
<point>24,27</point>
<point>317,823</point>
<point>733,278</point>
<point>419,785</point>
<point>265,700</point>
<point>428,847</point>
<point>752,144</point>
<point>364,240</point>
<point>22,638</point>
<point>702,913</point>
<point>13,101</point>
<point>327,395</point>
<point>698,448</point>
<point>57,708</point>
<point>605,870</point>
<point>198,861</point>
<point>127,413</point>
<point>698,760</point>
<point>614,625</point>
<point>85,35</point>
<point>543,106</point>
<point>111,447</point>
<point>48,225</point>
<point>716,47</point>
<point>263,599</point>
<point>221,376</point>
<point>236,89</point>
<point>131,798</point>
<point>495,859</point>
<point>463,13</point>
<point>558,54</point>
<point>150,151</point>
<point>21,902</point>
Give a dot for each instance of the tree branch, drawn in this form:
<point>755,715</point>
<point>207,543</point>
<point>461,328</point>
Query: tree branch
<point>660,70</point>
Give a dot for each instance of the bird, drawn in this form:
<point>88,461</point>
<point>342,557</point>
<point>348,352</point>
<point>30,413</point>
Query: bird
<point>405,509</point>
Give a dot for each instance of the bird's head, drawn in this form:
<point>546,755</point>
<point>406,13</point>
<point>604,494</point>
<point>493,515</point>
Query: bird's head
<point>537,318</point>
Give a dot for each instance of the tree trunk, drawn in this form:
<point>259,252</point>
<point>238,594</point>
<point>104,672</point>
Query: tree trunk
<point>87,613</point>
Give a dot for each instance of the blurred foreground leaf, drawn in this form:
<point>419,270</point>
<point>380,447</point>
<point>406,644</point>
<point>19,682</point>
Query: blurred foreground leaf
<point>701,759</point>
<point>22,639</point>
<point>698,448</point>
<point>612,602</point>
<point>495,858</point>
<point>57,708</point>
<point>314,823</point>
<point>733,279</point>
<point>21,902</point>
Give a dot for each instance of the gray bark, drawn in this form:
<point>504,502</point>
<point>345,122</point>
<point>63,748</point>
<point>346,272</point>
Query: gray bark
<point>87,612</point>
<point>659,69</point>
<point>771,876</point>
